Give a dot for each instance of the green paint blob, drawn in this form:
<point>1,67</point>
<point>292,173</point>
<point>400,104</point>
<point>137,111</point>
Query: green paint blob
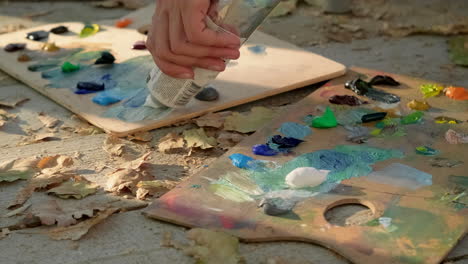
<point>431,89</point>
<point>426,151</point>
<point>70,67</point>
<point>327,120</point>
<point>412,118</point>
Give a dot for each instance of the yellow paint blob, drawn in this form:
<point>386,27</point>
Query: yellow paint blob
<point>418,105</point>
<point>50,47</point>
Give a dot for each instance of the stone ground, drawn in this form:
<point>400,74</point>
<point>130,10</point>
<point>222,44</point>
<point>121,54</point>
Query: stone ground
<point>128,237</point>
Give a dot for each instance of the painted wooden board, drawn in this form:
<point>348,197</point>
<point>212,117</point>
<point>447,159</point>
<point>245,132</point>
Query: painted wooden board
<point>284,67</point>
<point>412,224</point>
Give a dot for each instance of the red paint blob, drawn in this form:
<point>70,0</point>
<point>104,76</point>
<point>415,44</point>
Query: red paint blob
<point>457,93</point>
<point>123,23</point>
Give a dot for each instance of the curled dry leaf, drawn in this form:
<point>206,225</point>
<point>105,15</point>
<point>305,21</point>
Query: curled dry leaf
<point>18,210</point>
<point>129,175</point>
<point>37,138</point>
<point>113,146</point>
<point>54,164</point>
<point>4,115</point>
<point>250,122</point>
<point>47,120</point>
<point>170,142</point>
<point>197,138</point>
<point>41,181</point>
<point>228,140</point>
<point>18,169</point>
<point>143,137</point>
<point>213,119</point>
<point>77,188</point>
<point>4,232</point>
<point>51,213</point>
<point>12,101</point>
<point>77,231</point>
<point>154,188</point>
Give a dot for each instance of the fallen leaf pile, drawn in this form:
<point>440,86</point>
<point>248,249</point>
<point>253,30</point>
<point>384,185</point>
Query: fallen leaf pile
<point>47,120</point>
<point>215,120</point>
<point>251,122</point>
<point>122,149</point>
<point>18,169</point>
<point>171,142</point>
<point>43,173</point>
<point>5,116</point>
<point>126,178</point>
<point>208,246</point>
<point>197,138</point>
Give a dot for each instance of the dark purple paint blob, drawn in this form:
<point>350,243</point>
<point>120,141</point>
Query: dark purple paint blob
<point>361,87</point>
<point>59,30</point>
<point>383,80</point>
<point>373,117</point>
<point>37,35</point>
<point>12,47</point>
<point>346,100</point>
<point>89,87</point>
<point>106,58</point>
<point>264,150</point>
<point>285,142</point>
<point>208,94</point>
<point>139,45</point>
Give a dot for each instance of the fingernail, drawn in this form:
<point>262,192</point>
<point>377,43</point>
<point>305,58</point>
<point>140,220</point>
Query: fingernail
<point>184,76</point>
<point>216,68</point>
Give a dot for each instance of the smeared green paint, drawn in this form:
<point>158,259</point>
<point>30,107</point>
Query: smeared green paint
<point>230,193</point>
<point>412,118</point>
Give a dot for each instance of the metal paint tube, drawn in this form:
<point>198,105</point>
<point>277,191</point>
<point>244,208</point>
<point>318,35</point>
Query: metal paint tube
<point>239,17</point>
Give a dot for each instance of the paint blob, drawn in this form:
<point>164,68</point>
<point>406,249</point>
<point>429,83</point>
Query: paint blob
<point>295,130</point>
<point>431,89</point>
<point>123,23</point>
<point>12,47</point>
<point>89,30</point>
<point>306,177</point>
<point>426,151</point>
<point>276,206</point>
<point>207,94</point>
<point>361,87</point>
<point>418,105</point>
<point>50,47</point>
<point>383,80</point>
<point>139,45</point>
<point>327,120</point>
<point>346,100</point>
<point>457,93</point>
<point>264,150</point>
<point>373,117</point>
<point>59,30</point>
<point>283,144</point>
<point>412,118</point>
<point>446,120</point>
<point>352,116</point>
<point>257,49</point>
<point>68,67</point>
<point>106,58</point>
<point>240,160</point>
<point>37,35</point>
<point>89,87</point>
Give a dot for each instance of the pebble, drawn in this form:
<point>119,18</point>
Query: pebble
<point>37,35</point>
<point>208,94</point>
<point>12,47</point>
<point>59,30</point>
<point>306,177</point>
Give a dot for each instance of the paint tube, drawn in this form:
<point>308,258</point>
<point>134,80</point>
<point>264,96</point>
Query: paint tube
<point>239,17</point>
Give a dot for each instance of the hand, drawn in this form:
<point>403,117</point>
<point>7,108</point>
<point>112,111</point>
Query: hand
<point>180,40</point>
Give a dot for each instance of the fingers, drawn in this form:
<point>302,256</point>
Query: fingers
<point>197,31</point>
<point>180,46</point>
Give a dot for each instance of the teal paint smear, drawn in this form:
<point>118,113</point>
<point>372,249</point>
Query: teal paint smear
<point>401,175</point>
<point>295,130</point>
<point>343,162</point>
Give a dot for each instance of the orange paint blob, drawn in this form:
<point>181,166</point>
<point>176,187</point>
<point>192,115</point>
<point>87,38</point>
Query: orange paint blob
<point>457,93</point>
<point>122,23</point>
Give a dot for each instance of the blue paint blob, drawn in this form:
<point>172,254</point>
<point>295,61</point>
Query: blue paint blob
<point>264,150</point>
<point>240,160</point>
<point>295,130</point>
<point>257,49</point>
<point>106,98</point>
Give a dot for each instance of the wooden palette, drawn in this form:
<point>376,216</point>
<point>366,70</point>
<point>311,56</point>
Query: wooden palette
<point>425,227</point>
<point>284,67</point>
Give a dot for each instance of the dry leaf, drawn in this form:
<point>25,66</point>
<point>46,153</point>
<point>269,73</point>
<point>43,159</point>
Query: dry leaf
<point>18,210</point>
<point>2,123</point>
<point>12,101</point>
<point>77,231</point>
<point>17,169</point>
<point>113,146</point>
<point>154,188</point>
<point>197,138</point>
<point>4,115</point>
<point>228,140</point>
<point>143,137</point>
<point>4,232</point>
<point>212,247</point>
<point>41,181</point>
<point>213,119</point>
<point>54,164</point>
<point>77,188</point>
<point>37,138</point>
<point>171,141</point>
<point>250,122</point>
<point>444,30</point>
<point>50,213</point>
<point>87,130</point>
<point>128,176</point>
<point>48,121</point>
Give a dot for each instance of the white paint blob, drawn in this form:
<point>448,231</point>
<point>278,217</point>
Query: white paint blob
<point>306,177</point>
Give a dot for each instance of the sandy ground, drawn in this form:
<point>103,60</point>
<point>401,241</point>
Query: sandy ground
<point>128,237</point>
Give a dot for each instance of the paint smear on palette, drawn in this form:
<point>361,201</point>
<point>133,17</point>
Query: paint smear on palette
<point>295,130</point>
<point>401,175</point>
<point>343,162</point>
